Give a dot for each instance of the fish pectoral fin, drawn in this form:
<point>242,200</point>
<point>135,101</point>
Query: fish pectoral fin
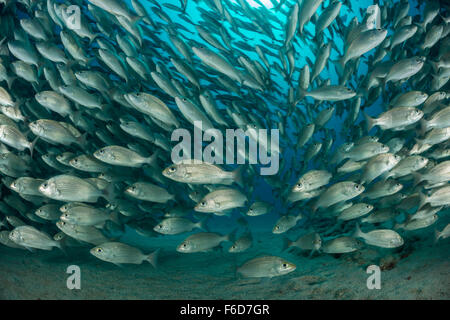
<point>120,265</point>
<point>30,249</point>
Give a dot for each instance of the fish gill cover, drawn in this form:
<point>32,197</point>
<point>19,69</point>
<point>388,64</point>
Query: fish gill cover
<point>220,140</point>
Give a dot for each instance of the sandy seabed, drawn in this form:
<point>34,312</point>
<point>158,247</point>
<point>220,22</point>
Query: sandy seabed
<point>421,272</point>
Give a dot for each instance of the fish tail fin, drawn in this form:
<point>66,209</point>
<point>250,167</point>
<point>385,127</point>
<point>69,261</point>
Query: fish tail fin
<point>9,81</point>
<point>301,93</point>
<point>423,200</point>
<point>75,117</point>
<point>417,178</point>
<point>109,193</point>
<point>423,126</point>
<point>340,65</point>
<point>237,176</point>
<point>82,140</point>
<point>286,243</point>
<point>370,122</point>
<point>153,159</point>
<point>202,224</point>
<point>32,145</point>
<point>357,233</point>
<point>437,235</point>
<point>152,258</point>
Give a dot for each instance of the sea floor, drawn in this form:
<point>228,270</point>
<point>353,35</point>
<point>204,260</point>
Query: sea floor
<point>409,273</point>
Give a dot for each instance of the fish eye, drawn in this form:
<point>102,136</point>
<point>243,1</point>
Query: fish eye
<point>284,265</point>
<point>172,169</point>
<point>184,99</point>
<point>203,203</point>
<point>45,185</point>
<point>63,223</point>
<point>99,250</point>
<point>277,227</point>
<point>160,226</point>
<point>299,185</point>
<point>75,160</point>
<point>184,245</point>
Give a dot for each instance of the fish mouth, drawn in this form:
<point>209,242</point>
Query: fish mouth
<point>198,208</point>
<point>165,173</point>
<point>181,250</point>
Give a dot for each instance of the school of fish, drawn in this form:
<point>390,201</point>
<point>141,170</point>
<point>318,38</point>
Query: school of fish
<point>91,91</point>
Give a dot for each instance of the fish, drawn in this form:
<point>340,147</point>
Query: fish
<point>12,137</point>
<point>415,224</point>
<point>221,200</point>
<point>177,225</point>
<point>285,223</point>
<point>442,234</point>
<point>310,241</point>
<point>378,165</point>
<point>30,237</point>
<point>72,188</point>
<point>198,172</point>
<point>383,238</point>
<point>331,93</point>
<point>149,192</point>
<point>87,234</point>
<point>438,197</point>
<point>266,267</point>
<point>355,211</point>
<point>395,119</point>
<point>121,156</point>
<point>338,192</point>
<point>362,44</point>
<point>204,242</point>
<point>341,245</point>
<point>243,243</point>
<point>87,216</point>
<point>259,208</point>
<point>312,180</point>
<point>121,253</point>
